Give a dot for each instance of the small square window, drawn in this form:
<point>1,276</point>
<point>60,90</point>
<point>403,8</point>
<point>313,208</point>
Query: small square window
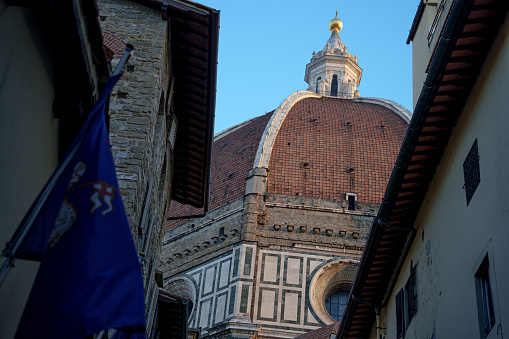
<point>351,198</point>
<point>471,172</point>
<point>485,298</point>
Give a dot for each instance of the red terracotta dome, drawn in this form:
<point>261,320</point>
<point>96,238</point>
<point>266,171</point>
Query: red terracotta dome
<point>312,146</point>
<point>327,147</point>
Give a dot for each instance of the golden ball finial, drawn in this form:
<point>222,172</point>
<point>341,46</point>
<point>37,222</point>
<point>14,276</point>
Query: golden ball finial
<point>336,24</point>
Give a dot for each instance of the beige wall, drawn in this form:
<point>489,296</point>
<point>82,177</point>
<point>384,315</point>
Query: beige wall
<point>28,147</point>
<point>421,52</point>
<point>453,238</point>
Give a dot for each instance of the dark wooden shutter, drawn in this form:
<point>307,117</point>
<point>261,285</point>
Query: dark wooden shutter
<point>413,295</point>
<point>400,314</point>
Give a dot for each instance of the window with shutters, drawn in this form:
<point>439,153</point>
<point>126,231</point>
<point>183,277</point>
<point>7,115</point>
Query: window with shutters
<point>406,305</point>
<point>485,304</point>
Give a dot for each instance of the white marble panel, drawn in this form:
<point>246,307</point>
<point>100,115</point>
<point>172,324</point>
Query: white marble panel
<point>225,272</point>
<point>291,306</point>
<point>208,280</point>
<point>220,308</point>
<point>268,300</point>
<point>313,264</point>
<point>204,313</point>
<point>310,318</point>
<point>270,271</point>
<point>293,272</point>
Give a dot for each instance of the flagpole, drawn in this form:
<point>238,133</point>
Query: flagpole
<point>12,247</point>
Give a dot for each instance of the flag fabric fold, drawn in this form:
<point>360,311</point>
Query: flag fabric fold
<point>89,278</point>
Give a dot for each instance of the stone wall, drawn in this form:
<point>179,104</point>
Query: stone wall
<point>271,220</point>
<point>284,220</point>
<point>140,118</point>
<point>200,240</point>
<point>134,104</point>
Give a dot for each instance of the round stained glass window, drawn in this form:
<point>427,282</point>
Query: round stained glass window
<point>336,304</point>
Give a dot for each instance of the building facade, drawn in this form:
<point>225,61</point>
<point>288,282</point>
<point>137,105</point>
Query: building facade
<point>161,125</point>
<point>435,263</point>
<point>41,114</point>
<point>160,121</point>
<point>293,194</point>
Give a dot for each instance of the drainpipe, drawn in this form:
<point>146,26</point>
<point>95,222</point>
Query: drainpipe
<point>377,311</point>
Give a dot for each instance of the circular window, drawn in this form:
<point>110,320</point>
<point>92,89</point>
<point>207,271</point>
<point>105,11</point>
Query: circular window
<point>329,289</point>
<point>335,304</point>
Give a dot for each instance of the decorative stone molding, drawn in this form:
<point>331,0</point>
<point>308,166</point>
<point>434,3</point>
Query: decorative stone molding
<point>271,130</point>
<point>404,113</point>
<point>328,279</point>
<point>183,287</point>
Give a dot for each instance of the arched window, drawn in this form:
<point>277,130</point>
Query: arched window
<point>317,82</point>
<point>334,86</point>
<point>336,304</point>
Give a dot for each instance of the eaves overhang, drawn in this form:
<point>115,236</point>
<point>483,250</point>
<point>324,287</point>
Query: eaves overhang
<point>415,23</point>
<point>193,42</point>
<point>465,42</point>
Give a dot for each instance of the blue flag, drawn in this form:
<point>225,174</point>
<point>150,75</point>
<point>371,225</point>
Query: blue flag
<point>89,278</point>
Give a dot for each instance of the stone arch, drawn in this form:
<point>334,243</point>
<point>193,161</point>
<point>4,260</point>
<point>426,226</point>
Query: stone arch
<point>183,286</point>
<point>332,276</point>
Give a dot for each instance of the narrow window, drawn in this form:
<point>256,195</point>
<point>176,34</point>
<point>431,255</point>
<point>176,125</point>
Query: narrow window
<point>485,298</point>
<point>471,172</point>
<point>406,305</point>
<point>334,86</point>
<point>400,314</point>
<point>351,198</point>
<point>317,82</point>
<point>410,297</point>
<point>351,203</point>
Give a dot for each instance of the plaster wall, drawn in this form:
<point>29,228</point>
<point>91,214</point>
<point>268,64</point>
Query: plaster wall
<point>453,238</point>
<point>422,53</point>
<point>28,146</point>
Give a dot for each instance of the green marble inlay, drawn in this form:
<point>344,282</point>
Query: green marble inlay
<point>247,261</point>
<point>243,298</point>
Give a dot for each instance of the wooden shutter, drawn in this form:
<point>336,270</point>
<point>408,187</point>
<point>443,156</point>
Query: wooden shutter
<point>412,298</point>
<point>400,313</point>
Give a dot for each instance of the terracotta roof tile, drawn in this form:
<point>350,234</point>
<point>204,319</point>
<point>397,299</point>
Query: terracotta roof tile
<point>322,138</point>
<point>321,333</point>
<point>232,157</point>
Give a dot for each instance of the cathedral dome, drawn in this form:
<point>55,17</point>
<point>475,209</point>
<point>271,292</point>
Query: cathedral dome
<point>312,146</point>
<point>328,147</point>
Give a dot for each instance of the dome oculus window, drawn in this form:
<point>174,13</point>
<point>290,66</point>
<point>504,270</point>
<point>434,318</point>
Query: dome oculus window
<point>335,304</point>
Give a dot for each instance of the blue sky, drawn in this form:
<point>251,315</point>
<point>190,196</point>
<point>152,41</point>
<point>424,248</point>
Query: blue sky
<point>264,47</point>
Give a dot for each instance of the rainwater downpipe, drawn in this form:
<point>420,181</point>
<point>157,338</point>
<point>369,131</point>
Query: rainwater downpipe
<point>377,312</point>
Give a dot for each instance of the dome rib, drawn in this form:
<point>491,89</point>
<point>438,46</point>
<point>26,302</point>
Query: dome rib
<point>271,130</point>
